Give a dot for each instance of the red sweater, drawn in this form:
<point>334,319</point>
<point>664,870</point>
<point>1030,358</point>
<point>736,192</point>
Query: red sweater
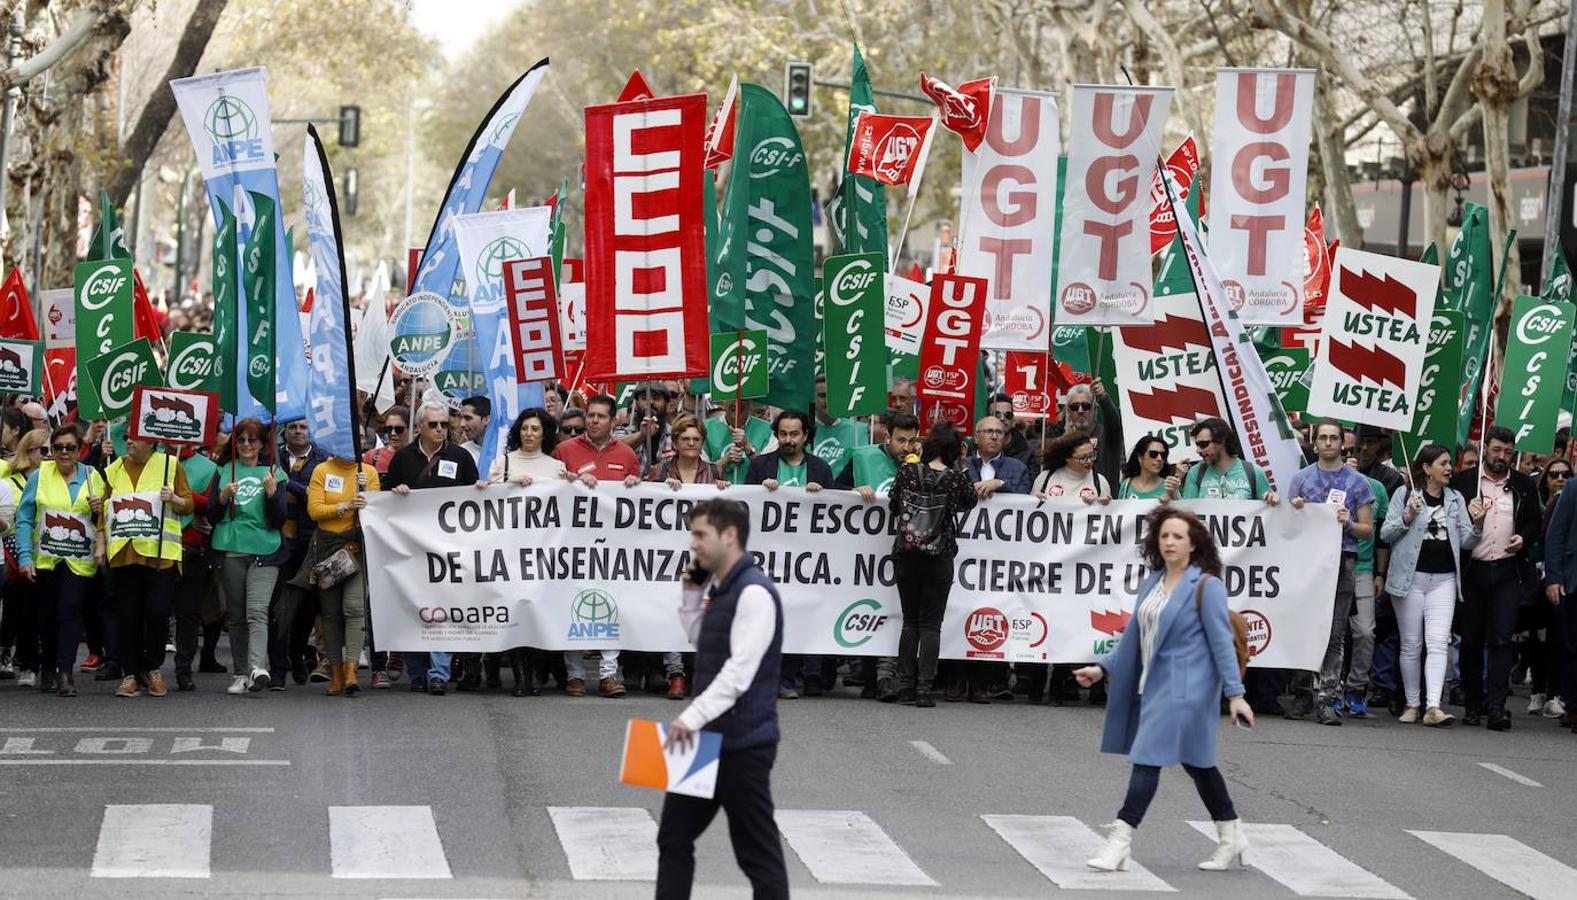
<point>612,463</point>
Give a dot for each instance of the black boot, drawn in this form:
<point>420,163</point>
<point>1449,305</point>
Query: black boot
<point>490,668</point>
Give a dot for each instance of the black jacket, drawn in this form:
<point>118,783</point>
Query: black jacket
<point>1527,517</point>
<point>411,467</point>
<point>765,466</point>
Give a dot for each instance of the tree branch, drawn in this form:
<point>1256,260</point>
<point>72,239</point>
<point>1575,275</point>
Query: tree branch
<point>81,28</point>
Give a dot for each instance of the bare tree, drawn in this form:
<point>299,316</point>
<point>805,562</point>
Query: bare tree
<point>1497,86</point>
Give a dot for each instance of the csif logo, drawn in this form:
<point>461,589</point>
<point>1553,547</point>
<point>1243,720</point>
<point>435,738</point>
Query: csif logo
<point>1282,372</point>
<point>774,156</point>
<point>190,368</point>
<point>123,373</point>
<point>858,623</point>
<point>233,127</point>
<point>103,285</point>
<point>736,364</point>
<point>1541,323</point>
<point>856,277</point>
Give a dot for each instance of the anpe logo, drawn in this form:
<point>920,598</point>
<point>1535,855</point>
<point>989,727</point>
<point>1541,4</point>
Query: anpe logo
<point>490,262</point>
<point>986,629</point>
<point>858,623</point>
<point>232,126</point>
<point>1258,632</point>
<point>595,616</point>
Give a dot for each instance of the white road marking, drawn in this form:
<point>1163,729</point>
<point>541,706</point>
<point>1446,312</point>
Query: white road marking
<point>1305,866</point>
<point>1502,770</point>
<point>846,847</point>
<point>1058,847</point>
<point>144,762</point>
<point>154,841</point>
<point>607,843</point>
<point>1508,861</point>
<point>149,730</point>
<point>931,753</point>
<point>385,842</point>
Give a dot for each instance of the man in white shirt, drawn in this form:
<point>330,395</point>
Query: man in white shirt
<point>738,635</point>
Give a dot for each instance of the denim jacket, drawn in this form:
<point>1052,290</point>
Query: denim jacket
<point>1407,540</point>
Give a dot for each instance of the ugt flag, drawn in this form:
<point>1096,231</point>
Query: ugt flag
<point>887,148</point>
<point>965,109</point>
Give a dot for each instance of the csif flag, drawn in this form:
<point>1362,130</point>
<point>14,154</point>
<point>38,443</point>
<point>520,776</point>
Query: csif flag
<point>1470,290</point>
<point>227,337</point>
<point>257,285</point>
<point>1558,289</point>
<point>858,212</point>
<point>888,148</point>
<point>1533,379</point>
<point>331,381</point>
<point>965,110</point>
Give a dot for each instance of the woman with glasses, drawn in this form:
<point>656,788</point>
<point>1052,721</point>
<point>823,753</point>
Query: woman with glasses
<point>247,513</point>
<point>1429,525</point>
<point>1147,475</point>
<point>334,497</point>
<point>1068,470</point>
<point>21,612</point>
<point>530,446</point>
<point>396,433</point>
<point>60,543</point>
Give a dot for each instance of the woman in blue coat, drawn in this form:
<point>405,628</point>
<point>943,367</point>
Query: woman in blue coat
<point>1168,673</point>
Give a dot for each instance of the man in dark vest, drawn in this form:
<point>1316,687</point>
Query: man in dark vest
<point>738,635</point>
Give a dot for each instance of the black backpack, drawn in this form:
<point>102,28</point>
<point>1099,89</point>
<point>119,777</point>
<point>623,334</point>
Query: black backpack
<point>925,516</point>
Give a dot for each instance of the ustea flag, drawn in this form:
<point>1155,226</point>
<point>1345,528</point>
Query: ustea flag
<point>887,148</point>
<point>646,313</point>
<point>1167,374</point>
<point>1258,179</point>
<point>1103,275</point>
<point>1372,346</point>
<point>965,110</point>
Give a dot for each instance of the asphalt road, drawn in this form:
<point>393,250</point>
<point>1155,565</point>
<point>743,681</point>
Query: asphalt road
<point>492,796</point>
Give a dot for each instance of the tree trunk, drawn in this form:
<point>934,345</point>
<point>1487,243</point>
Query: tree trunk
<point>156,114</point>
<point>1340,210</point>
<point>1495,84</point>
<point>1430,157</point>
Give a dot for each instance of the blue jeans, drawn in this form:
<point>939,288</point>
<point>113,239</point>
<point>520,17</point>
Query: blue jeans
<point>433,666</point>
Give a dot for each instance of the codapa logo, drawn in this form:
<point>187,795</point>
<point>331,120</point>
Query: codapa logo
<point>858,623</point>
<point>232,126</point>
<point>593,616</point>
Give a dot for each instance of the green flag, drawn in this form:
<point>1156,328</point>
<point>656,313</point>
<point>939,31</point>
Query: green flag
<point>227,337</point>
<point>257,279</point>
<point>1438,413</point>
<point>1533,380</point>
<point>767,260</point>
<point>1470,290</point>
<point>556,229</point>
<point>739,370</point>
<point>856,342</point>
<point>1558,289</point>
<point>104,321</point>
<point>109,239</point>
<point>116,374</point>
<point>860,213</point>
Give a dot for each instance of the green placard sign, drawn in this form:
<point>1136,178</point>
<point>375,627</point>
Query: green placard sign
<point>1286,368</point>
<point>856,344</point>
<point>257,279</point>
<point>116,374</point>
<point>1436,417</point>
<point>192,361</point>
<point>1534,378</point>
<point>739,365</point>
<point>104,321</point>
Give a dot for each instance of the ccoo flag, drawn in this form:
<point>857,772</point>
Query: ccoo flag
<point>331,382</point>
<point>227,118</point>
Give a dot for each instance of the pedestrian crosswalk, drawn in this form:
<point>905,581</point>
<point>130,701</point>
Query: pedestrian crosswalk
<point>832,847</point>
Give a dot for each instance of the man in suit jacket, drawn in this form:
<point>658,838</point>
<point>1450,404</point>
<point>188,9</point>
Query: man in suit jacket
<point>993,471</point>
<point>791,466</point>
<point>1560,589</point>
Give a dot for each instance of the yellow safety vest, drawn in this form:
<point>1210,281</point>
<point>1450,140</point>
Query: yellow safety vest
<point>64,529</point>
<point>132,512</point>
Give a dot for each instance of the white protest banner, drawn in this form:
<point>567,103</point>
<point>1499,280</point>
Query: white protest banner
<point>572,303</point>
<point>904,319</point>
<point>1258,179</point>
<point>1370,358</point>
<point>561,566</point>
<point>1167,373</point>
<point>1103,263</point>
<point>1008,220</point>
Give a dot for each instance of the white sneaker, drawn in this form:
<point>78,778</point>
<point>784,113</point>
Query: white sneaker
<point>240,685</point>
<point>1554,708</point>
<point>1535,704</point>
<point>363,662</point>
<point>26,678</point>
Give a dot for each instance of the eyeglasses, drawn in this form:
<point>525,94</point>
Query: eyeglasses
<point>393,429</point>
<point>1203,445</point>
<point>1086,457</point>
<point>1156,454</point>
<point>572,430</point>
<point>995,431</point>
<point>1081,407</point>
<point>442,424</point>
<point>64,448</point>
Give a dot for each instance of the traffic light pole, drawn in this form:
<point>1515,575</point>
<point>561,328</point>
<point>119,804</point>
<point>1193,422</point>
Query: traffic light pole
<point>899,95</point>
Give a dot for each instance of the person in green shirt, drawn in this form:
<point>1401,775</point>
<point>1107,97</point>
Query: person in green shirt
<point>1368,583</point>
<point>1147,475</point>
<point>247,511</point>
<point>1222,473</point>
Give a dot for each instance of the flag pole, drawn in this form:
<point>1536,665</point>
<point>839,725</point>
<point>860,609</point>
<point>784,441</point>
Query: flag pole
<point>914,191</point>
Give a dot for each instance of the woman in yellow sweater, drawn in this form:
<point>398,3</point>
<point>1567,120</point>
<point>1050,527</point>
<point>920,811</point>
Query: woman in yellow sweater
<point>335,497</point>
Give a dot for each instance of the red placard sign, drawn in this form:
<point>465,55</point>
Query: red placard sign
<point>646,293</point>
<point>533,319</point>
<point>1026,381</point>
<point>173,416</point>
<point>950,353</point>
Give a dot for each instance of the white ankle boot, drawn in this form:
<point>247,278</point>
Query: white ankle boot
<point>1232,844</point>
<point>1119,844</point>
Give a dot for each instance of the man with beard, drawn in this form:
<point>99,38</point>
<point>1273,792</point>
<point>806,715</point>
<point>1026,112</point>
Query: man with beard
<point>1104,426</point>
<point>647,432</point>
<point>1497,577</point>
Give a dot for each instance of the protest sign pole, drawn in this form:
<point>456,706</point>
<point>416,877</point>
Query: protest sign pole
<point>914,191</point>
<point>1489,362</point>
<point>164,482</point>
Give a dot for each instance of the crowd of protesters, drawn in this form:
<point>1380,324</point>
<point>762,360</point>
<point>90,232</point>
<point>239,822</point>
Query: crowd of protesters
<point>1451,591</point>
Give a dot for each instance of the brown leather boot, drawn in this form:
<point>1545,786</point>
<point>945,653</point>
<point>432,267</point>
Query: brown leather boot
<point>336,679</point>
<point>349,677</point>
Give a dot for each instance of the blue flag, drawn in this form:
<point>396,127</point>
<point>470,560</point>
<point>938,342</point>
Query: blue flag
<point>331,382</point>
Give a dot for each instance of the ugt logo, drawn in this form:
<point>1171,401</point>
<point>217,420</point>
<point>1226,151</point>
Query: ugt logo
<point>593,616</point>
<point>232,126</point>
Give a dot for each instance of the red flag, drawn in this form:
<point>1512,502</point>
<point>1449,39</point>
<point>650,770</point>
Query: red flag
<point>887,148</point>
<point>1026,381</point>
<point>720,134</point>
<point>646,314</point>
<point>636,88</point>
<point>1317,256</point>
<point>60,373</point>
<point>16,310</point>
<point>950,353</point>
<point>916,273</point>
<point>534,319</point>
<point>145,319</point>
<point>965,110</point>
<point>1181,167</point>
<point>306,305</point>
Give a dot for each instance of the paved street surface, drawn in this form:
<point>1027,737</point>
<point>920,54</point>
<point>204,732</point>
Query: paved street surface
<point>394,795</point>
